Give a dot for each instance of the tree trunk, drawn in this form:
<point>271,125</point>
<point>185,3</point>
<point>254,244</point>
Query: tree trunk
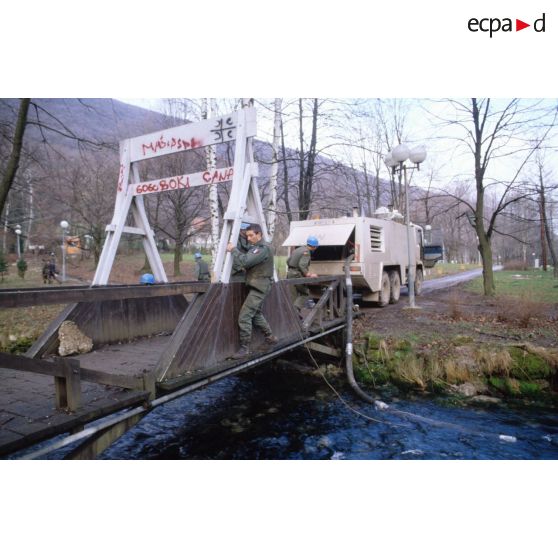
<point>285,176</point>
<point>272,203</point>
<point>301,216</point>
<point>548,232</point>
<point>213,193</point>
<point>543,237</point>
<point>145,268</point>
<point>6,221</point>
<point>377,190</point>
<point>306,174</point>
<point>15,154</point>
<point>96,253</point>
<point>177,258</point>
<point>485,250</point>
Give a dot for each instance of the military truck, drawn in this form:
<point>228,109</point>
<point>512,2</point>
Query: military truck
<point>379,246</point>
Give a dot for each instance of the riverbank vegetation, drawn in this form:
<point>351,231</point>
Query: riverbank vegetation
<point>458,365</point>
<point>461,343</point>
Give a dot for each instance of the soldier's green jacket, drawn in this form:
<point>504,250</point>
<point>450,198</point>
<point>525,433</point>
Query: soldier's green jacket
<point>203,270</point>
<point>258,263</point>
<point>243,246</point>
<point>299,261</point>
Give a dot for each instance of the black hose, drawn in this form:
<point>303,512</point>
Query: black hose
<point>349,334</point>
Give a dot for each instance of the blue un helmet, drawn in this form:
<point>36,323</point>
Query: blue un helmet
<point>147,279</point>
<point>312,241</point>
<point>244,226</point>
<point>197,255</point>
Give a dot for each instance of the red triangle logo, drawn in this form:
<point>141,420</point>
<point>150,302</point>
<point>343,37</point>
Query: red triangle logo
<point>519,25</point>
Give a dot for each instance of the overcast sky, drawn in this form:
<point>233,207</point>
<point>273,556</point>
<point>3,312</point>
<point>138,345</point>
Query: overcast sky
<point>448,159</point>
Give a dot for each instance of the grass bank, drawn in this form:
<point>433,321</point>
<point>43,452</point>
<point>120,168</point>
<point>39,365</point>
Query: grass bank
<point>534,285</point>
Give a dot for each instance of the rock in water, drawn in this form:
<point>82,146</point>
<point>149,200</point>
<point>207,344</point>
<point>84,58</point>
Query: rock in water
<point>467,389</point>
<point>72,340</point>
<point>505,438</point>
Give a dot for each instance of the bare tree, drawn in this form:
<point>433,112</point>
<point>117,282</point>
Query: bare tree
<point>306,159</point>
<point>272,196</point>
<point>542,192</point>
<point>211,164</point>
<point>492,132</point>
<point>9,173</point>
<point>85,195</point>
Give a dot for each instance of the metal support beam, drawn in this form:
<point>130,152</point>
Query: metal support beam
<point>316,311</point>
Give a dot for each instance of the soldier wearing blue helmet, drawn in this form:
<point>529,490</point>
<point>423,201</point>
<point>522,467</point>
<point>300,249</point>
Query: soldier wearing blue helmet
<point>298,266</point>
<point>147,279</point>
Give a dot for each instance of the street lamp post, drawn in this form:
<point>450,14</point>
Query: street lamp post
<point>64,225</point>
<point>18,236</point>
<point>428,229</point>
<point>395,159</point>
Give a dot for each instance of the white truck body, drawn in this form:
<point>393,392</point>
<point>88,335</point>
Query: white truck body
<point>379,245</point>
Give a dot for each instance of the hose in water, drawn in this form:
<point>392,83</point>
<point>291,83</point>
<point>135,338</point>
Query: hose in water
<point>349,334</point>
<point>380,405</point>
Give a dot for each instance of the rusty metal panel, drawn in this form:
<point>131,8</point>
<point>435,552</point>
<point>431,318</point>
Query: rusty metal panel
<point>210,333</point>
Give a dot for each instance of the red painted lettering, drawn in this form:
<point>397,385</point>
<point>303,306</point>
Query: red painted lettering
<point>172,144</point>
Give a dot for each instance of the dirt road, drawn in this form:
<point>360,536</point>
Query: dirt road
<point>450,280</point>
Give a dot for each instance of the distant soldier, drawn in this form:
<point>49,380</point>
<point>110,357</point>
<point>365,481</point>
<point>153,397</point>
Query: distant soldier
<point>49,270</point>
<point>258,263</point>
<point>202,269</point>
<point>46,272</point>
<point>238,273</point>
<point>147,279</point>
<point>298,266</point>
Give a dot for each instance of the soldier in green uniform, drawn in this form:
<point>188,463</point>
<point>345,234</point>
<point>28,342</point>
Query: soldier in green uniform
<point>238,273</point>
<point>258,263</point>
<point>298,263</point>
<point>202,269</point>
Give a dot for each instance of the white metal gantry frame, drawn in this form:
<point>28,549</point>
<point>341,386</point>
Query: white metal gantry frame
<point>244,202</point>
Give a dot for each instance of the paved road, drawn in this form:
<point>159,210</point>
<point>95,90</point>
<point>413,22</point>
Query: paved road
<point>450,280</point>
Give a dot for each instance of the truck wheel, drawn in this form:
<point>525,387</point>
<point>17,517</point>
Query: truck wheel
<point>395,287</point>
<point>384,291</point>
<point>418,282</point>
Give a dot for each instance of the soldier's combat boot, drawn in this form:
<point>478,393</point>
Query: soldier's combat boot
<point>243,352</point>
<point>271,339</point>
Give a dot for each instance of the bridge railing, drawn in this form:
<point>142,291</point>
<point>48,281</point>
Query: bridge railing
<point>19,298</point>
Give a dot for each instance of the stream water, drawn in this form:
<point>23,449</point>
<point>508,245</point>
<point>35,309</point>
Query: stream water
<point>278,414</point>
